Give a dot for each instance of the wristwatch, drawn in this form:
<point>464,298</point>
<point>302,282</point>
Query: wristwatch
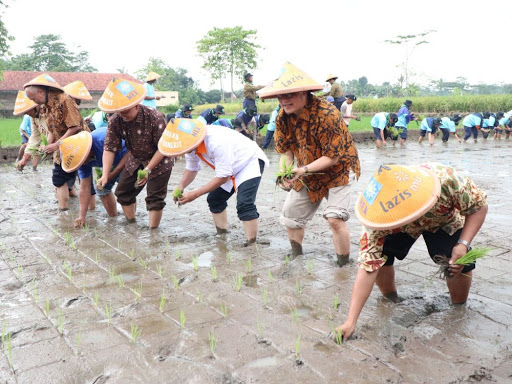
<point>148,170</point>
<point>468,246</point>
<point>305,169</point>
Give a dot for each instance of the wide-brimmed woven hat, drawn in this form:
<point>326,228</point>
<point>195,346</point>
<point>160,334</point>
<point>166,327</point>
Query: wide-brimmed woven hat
<point>290,80</point>
<point>77,90</point>
<point>44,80</point>
<point>397,195</point>
<point>331,76</point>
<point>74,150</point>
<point>121,94</point>
<point>181,136</point>
<point>22,104</point>
<point>152,76</point>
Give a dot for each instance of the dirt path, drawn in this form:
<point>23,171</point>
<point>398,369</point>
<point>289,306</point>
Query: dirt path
<point>72,303</point>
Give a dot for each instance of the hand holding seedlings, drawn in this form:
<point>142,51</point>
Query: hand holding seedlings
<point>188,197</point>
<point>177,194</point>
<point>142,178</point>
<point>79,222</point>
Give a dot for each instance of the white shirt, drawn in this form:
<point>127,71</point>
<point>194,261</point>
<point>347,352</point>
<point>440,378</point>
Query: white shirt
<point>346,110</point>
<point>231,153</point>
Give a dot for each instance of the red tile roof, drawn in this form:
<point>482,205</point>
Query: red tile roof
<point>14,80</point>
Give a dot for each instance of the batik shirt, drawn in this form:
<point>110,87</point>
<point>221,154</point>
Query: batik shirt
<point>141,137</point>
<point>62,114</point>
<point>459,197</point>
<point>318,131</point>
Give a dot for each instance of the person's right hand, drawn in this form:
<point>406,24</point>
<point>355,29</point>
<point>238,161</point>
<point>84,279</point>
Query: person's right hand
<point>21,164</point>
<point>101,182</point>
<point>384,143</point>
<point>347,329</point>
<point>79,222</point>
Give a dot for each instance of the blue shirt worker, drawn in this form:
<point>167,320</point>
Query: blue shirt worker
<point>380,122</point>
<point>405,116</point>
<point>472,124</point>
<point>448,127</point>
<point>503,125</point>
<point>210,115</point>
<point>246,116</point>
<point>488,125</point>
<point>87,159</point>
<point>151,98</point>
<point>429,126</point>
<point>184,112</point>
<point>271,127</point>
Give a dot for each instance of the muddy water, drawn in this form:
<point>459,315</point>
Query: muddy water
<point>119,303</point>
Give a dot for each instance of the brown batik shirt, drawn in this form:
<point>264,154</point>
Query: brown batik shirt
<point>318,131</point>
<point>62,113</point>
<point>141,136</point>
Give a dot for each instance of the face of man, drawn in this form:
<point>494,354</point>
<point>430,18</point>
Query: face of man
<point>350,101</point>
<point>293,103</point>
<point>187,113</point>
<point>36,94</point>
<point>129,114</point>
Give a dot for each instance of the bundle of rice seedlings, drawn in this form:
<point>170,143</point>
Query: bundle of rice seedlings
<point>176,195</point>
<point>34,151</point>
<point>472,256</point>
<point>98,172</point>
<point>285,172</point>
<point>141,174</point>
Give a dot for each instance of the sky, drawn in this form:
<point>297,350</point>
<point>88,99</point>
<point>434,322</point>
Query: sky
<point>345,38</point>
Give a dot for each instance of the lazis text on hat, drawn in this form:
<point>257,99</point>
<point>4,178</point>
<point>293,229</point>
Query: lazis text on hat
<point>292,80</point>
<point>402,196</point>
<point>69,161</point>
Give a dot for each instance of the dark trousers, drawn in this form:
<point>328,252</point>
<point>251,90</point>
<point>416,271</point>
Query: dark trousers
<point>248,102</point>
<point>446,134</point>
<point>468,131</point>
<point>245,198</point>
<point>268,139</point>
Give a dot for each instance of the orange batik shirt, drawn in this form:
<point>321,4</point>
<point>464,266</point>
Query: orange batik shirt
<point>318,131</point>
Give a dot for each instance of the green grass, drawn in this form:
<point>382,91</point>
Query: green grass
<point>10,132</point>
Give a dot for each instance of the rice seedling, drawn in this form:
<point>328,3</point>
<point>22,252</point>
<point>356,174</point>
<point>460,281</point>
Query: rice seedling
<point>45,258</point>
<point>297,346</point>
<point>286,260</point>
<point>212,340</point>
<point>295,315</point>
<point>67,238</point>
<point>310,266</point>
<point>143,263</point>
<point>472,256</point>
<point>182,318</point>
<point>60,321</point>
<point>261,328</point>
<point>132,254</point>
<point>159,270</point>
<point>86,228</point>
<point>236,282</point>
<point>264,294</point>
<point>4,328</point>
<point>195,263</point>
<point>199,295</point>
<point>167,246</point>
<point>338,335</point>
<point>285,172</point>
<point>36,296</point>
<point>336,301</point>
<point>141,174</point>
<point>177,194</point>
<point>112,271</point>
<point>96,298</point>
<point>9,351</point>
<point>46,307</point>
<point>118,243</point>
<point>120,280</point>
<point>224,310</point>
<point>248,265</point>
<point>96,257</point>
<point>162,301</point>
<point>228,257</point>
<point>269,273</point>
<point>73,245</point>
<point>19,271</point>
<point>214,273</point>
<point>79,337</point>
<point>178,254</point>
<point>175,282</point>
<point>66,266</point>
<point>299,288</point>
<point>135,333</point>
<point>108,312</point>
<point>137,291</point>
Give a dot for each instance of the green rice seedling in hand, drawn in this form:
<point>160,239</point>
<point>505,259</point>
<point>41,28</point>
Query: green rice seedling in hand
<point>99,172</point>
<point>285,172</point>
<point>176,195</point>
<point>141,175</point>
<point>472,256</point>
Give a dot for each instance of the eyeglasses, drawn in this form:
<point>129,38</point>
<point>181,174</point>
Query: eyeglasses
<point>285,96</point>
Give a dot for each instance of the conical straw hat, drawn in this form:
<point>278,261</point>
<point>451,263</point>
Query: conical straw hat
<point>152,76</point>
<point>45,80</point>
<point>331,76</point>
<point>397,195</point>
<point>120,95</point>
<point>77,90</point>
<point>291,80</point>
<point>74,150</point>
<point>181,136</point>
<point>23,104</point>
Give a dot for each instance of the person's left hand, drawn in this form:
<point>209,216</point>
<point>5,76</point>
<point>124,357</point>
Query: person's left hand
<point>298,172</point>
<point>50,148</point>
<point>457,252</point>
<point>140,183</point>
<point>188,197</point>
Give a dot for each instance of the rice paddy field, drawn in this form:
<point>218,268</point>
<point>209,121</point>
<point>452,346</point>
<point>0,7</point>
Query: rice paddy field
<point>118,303</point>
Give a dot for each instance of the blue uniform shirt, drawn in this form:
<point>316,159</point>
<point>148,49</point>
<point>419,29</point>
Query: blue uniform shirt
<point>404,117</point>
<point>150,91</point>
<point>98,139</point>
<point>244,117</point>
<point>207,117</point>
<point>26,125</point>
<point>473,120</point>
<point>506,119</point>
<point>426,124</point>
<point>224,123</point>
<point>380,120</point>
<point>272,123</point>
<point>99,119</point>
<point>179,115</point>
<point>447,123</point>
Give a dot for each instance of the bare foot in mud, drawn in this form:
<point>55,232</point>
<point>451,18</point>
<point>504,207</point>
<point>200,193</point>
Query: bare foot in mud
<point>393,296</point>
<point>296,249</point>
<point>342,260</point>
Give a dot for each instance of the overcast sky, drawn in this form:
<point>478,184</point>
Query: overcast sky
<point>342,37</point>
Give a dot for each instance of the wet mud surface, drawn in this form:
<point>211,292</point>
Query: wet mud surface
<point>118,303</point>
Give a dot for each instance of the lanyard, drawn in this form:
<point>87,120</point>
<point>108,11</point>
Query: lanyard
<point>200,151</point>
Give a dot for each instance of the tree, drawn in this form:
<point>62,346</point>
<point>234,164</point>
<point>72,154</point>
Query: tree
<point>228,51</point>
<point>5,38</point>
<point>363,81</point>
<point>410,42</point>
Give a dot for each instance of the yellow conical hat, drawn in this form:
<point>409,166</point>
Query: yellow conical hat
<point>397,195</point>
<point>45,80</point>
<point>152,76</point>
<point>120,95</point>
<point>331,76</point>
<point>23,104</point>
<point>77,90</point>
<point>181,136</point>
<point>290,80</point>
<point>74,150</point>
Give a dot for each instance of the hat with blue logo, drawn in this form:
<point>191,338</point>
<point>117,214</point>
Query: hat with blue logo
<point>181,136</point>
<point>120,95</point>
<point>44,80</point>
<point>397,195</point>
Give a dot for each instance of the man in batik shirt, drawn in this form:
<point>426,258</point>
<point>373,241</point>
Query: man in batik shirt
<point>311,131</point>
<point>399,205</point>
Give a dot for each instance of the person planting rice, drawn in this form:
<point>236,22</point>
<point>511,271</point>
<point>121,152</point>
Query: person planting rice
<point>448,125</point>
<point>311,131</point>
<point>184,112</point>
<point>346,110</point>
<point>238,164</point>
<point>405,116</point>
<point>210,115</point>
<point>82,152</point>
<point>140,127</point>
<point>503,125</point>
<point>381,122</point>
<point>472,124</point>
<point>402,203</point>
<point>63,119</point>
<point>429,126</point>
<point>26,107</point>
